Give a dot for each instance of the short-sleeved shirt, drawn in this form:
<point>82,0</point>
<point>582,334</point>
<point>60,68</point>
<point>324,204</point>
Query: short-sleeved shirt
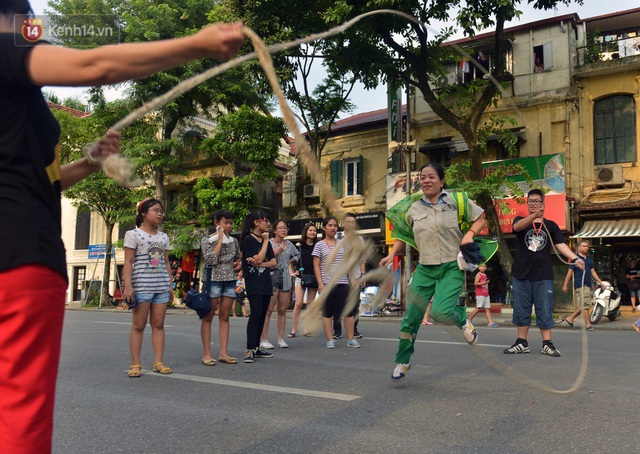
<point>257,279</point>
<point>222,265</point>
<point>306,259</point>
<point>149,274</point>
<point>290,252</point>
<point>30,188</point>
<point>533,251</point>
<point>323,251</point>
<point>436,229</point>
<point>577,273</point>
<point>633,271</point>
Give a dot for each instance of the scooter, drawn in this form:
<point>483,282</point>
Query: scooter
<point>606,302</point>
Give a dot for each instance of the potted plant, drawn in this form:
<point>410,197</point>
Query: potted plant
<point>178,294</point>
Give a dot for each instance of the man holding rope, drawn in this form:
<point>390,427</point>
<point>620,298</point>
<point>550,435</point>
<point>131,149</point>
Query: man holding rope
<point>532,273</point>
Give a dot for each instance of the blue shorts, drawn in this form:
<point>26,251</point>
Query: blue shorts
<point>153,298</point>
<point>223,288</point>
<point>528,294</point>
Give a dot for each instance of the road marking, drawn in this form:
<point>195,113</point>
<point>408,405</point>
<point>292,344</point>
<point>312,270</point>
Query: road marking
<point>435,342</point>
<point>254,386</point>
<point>123,323</point>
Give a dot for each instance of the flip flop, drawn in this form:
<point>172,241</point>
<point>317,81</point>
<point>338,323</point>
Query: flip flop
<point>291,335</point>
<point>229,360</point>
<point>308,335</point>
<point>209,362</point>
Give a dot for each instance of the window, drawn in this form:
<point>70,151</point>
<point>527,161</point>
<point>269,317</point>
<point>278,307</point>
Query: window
<point>346,177</point>
<point>614,125</point>
<point>542,57</point>
<point>83,227</point>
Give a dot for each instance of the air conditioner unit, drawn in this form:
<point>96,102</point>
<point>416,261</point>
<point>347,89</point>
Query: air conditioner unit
<point>311,190</point>
<point>609,176</point>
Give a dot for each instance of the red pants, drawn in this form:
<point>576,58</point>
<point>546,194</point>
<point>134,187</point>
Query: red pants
<point>31,316</point>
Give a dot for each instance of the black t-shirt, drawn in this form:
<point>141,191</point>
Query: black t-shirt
<point>533,251</point>
<point>257,280</point>
<point>30,230</point>
<point>307,258</point>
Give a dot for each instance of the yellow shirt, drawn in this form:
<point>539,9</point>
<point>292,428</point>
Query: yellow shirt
<point>436,229</point>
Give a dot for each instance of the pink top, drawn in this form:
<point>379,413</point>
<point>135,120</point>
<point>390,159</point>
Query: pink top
<point>482,290</point>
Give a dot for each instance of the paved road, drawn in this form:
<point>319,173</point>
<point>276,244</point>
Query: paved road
<point>308,399</point>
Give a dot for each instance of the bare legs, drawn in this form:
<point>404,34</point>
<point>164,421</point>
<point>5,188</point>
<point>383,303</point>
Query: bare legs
<point>279,300</point>
<point>155,313</point>
<point>225,304</point>
<point>300,291</point>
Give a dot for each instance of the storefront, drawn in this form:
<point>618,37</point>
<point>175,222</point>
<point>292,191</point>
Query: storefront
<point>613,243</point>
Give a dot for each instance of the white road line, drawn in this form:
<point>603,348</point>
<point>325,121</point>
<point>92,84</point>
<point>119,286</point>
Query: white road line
<point>123,323</point>
<point>435,342</point>
<point>254,386</point>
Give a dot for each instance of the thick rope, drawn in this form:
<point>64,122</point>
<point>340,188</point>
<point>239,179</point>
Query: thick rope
<point>121,170</point>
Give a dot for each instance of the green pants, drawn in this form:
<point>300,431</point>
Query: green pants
<point>443,283</point>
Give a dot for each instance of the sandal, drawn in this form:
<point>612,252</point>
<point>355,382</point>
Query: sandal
<point>135,371</point>
<point>568,322</point>
<point>208,362</point>
<point>164,370</point>
<point>590,328</point>
<point>308,334</point>
<point>291,335</point>
<point>636,327</point>
<point>229,360</point>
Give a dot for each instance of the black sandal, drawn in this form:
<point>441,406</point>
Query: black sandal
<point>291,335</point>
<point>568,322</point>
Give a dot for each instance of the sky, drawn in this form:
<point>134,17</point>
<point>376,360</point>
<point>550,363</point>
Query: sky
<point>369,100</point>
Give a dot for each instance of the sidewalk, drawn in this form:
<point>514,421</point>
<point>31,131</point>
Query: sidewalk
<point>499,313</point>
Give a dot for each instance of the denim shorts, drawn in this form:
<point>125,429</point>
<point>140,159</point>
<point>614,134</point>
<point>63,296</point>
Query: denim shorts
<point>153,298</point>
<point>529,294</point>
<point>223,288</point>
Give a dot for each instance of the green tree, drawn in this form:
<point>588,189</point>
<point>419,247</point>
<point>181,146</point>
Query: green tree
<point>389,49</point>
<point>245,139</point>
<point>140,20</point>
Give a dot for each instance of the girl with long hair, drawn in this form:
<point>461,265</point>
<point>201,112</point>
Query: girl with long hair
<point>257,259</point>
<point>306,244</point>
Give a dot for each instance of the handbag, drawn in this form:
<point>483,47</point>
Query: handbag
<point>200,301</point>
<point>633,284</point>
<point>309,280</point>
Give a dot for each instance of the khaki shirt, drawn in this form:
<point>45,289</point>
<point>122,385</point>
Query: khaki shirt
<point>436,228</point>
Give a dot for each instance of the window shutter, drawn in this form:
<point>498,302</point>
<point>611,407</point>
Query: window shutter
<point>83,227</point>
<point>547,52</point>
<point>360,175</point>
<point>336,177</point>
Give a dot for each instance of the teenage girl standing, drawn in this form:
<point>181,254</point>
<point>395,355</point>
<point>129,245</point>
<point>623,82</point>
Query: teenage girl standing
<point>323,266</point>
<point>147,285</point>
<point>307,242</point>
<point>257,258</point>
<point>286,254</point>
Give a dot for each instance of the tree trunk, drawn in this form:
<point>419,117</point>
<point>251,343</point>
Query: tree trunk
<point>106,276</point>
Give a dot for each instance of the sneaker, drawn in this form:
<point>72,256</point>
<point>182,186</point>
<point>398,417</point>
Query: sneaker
<point>517,348</point>
<point>357,335</point>
<point>399,371</point>
<point>248,356</point>
<point>470,333</point>
<point>353,343</point>
<point>337,336</point>
<point>550,350</point>
<point>282,343</point>
<point>493,325</point>
<point>266,345</point>
<point>259,353</point>
<point>331,344</point>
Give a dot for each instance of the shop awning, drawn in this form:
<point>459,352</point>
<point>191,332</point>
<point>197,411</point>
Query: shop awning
<point>609,228</point>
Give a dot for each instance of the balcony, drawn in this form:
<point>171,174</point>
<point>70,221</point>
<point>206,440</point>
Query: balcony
<point>608,55</point>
